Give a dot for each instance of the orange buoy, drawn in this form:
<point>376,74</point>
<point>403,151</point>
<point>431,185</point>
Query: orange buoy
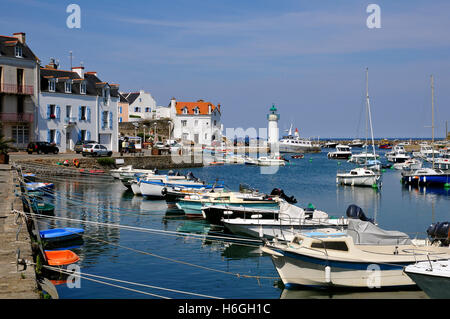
<point>60,257</point>
<point>76,162</point>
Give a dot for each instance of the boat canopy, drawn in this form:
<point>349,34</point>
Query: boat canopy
<point>367,233</point>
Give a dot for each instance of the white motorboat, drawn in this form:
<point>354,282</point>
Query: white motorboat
<point>363,158</point>
<point>356,143</point>
<point>362,256</point>
<point>129,169</point>
<point>433,277</point>
<point>443,162</point>
<point>155,186</point>
<point>359,177</point>
<point>296,144</point>
<point>342,152</point>
<point>250,161</point>
<point>397,155</point>
<point>282,223</point>
<point>409,164</point>
<point>273,160</point>
<point>234,159</point>
<point>426,152</point>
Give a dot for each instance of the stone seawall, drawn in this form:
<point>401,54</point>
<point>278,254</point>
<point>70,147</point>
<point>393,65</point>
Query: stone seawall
<point>105,164</point>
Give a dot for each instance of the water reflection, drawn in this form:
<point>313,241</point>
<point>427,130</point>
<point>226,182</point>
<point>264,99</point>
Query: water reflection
<point>428,193</point>
<point>323,294</point>
<point>367,198</point>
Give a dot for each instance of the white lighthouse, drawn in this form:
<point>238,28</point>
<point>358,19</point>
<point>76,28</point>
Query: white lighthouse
<point>273,134</point>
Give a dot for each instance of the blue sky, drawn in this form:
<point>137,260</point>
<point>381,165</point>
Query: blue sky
<point>307,57</point>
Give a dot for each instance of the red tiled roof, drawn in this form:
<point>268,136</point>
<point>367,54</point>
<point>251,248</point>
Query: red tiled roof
<point>203,107</point>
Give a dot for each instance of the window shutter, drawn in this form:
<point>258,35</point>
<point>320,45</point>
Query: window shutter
<point>79,113</point>
<point>88,114</point>
<point>111,120</point>
<point>48,111</point>
<point>48,136</point>
<point>79,135</point>
<point>103,120</point>
<point>58,112</point>
<point>88,135</point>
<point>58,137</point>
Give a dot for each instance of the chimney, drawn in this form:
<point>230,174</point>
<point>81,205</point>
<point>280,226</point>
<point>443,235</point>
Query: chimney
<point>20,36</point>
<point>173,102</point>
<point>79,70</point>
<point>52,64</point>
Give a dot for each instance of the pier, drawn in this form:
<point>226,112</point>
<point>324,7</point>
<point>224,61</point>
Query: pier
<point>17,281</point>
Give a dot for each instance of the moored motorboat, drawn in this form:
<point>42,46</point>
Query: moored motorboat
<point>433,277</point>
<point>363,256</point>
<point>359,177</point>
<point>342,152</point>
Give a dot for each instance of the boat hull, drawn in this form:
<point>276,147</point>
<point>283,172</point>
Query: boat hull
<point>367,181</point>
<point>194,208</point>
<point>436,287</point>
<point>300,270</point>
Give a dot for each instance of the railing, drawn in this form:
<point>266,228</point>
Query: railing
<point>16,89</point>
<point>16,117</point>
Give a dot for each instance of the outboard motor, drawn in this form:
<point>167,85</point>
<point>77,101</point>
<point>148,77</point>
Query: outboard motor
<point>356,212</point>
<point>439,233</point>
<point>281,194</point>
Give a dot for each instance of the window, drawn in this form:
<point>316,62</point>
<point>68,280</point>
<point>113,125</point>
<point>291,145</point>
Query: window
<point>137,109</point>
<point>68,111</point>
<point>120,120</point>
<point>68,87</point>
<point>196,110</point>
<point>215,123</point>
<point>184,123</point>
<point>106,95</point>
<point>83,115</point>
<point>51,85</point>
<point>334,245</point>
<point>52,111</point>
<point>206,136</point>
<point>196,123</point>
<point>20,134</point>
<point>83,135</point>
<point>105,119</point>
<point>18,51</point>
<point>52,138</point>
<point>82,88</point>
<point>185,136</point>
<point>147,109</point>
<point>185,110</point>
<point>120,110</point>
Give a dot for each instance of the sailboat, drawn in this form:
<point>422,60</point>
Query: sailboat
<point>363,176</point>
<point>428,176</point>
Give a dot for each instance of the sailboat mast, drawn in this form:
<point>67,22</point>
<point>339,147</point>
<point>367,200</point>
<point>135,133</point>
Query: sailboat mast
<point>432,118</point>
<point>368,110</point>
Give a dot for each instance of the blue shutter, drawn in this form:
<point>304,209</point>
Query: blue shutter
<point>88,114</point>
<point>79,135</point>
<point>58,112</point>
<point>88,135</point>
<point>103,120</point>
<point>48,136</point>
<point>48,111</point>
<point>111,120</point>
<point>58,137</point>
<point>79,113</point>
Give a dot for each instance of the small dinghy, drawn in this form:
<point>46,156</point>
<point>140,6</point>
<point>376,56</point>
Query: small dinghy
<point>61,234</point>
<point>61,257</point>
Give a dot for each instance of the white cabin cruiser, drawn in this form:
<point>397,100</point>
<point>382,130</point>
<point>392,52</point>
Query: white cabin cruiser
<point>426,151</point>
<point>363,158</point>
<point>397,155</point>
<point>129,169</point>
<point>272,160</point>
<point>342,152</point>
<point>409,164</point>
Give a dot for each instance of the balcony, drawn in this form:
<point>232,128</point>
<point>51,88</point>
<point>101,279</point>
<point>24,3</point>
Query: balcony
<point>16,89</point>
<point>16,117</point>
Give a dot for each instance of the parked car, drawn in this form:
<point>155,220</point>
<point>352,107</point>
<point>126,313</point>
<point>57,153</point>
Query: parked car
<point>42,147</point>
<point>95,150</point>
<point>80,144</point>
<point>159,145</point>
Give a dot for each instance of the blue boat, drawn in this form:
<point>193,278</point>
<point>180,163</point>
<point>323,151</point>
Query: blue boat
<point>427,176</point>
<point>61,234</point>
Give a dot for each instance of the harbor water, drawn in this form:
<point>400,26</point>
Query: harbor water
<point>217,267</point>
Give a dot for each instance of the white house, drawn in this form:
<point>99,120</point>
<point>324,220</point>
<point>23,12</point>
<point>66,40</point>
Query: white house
<point>75,106</point>
<point>198,122</point>
<point>141,105</point>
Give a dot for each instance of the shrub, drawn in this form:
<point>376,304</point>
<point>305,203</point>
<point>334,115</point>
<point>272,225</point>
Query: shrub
<point>107,161</point>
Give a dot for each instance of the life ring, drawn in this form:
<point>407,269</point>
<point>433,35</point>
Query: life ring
<point>76,162</point>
